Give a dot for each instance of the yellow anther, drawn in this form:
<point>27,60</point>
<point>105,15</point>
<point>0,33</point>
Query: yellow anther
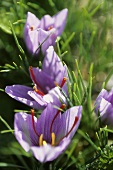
<point>49,28</point>
<point>56,84</point>
<point>65,78</point>
<point>38,91</point>
<point>53,139</point>
<point>62,107</point>
<point>44,142</point>
<point>31,28</point>
<point>35,89</point>
<point>41,140</point>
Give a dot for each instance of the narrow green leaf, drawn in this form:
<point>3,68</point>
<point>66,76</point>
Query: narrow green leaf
<point>88,139</point>
<point>2,90</point>
<point>107,78</point>
<point>89,89</point>
<point>5,123</point>
<point>5,28</point>
<point>16,40</point>
<point>81,78</point>
<point>68,41</point>
<point>4,164</point>
<point>6,131</point>
<point>95,10</point>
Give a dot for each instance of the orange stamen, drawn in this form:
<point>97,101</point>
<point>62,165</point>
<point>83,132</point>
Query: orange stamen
<point>33,122</point>
<point>34,79</point>
<point>56,84</point>
<point>38,91</point>
<point>49,28</point>
<point>62,83</point>
<point>62,107</point>
<point>31,28</point>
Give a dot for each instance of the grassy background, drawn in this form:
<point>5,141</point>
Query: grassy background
<point>88,37</point>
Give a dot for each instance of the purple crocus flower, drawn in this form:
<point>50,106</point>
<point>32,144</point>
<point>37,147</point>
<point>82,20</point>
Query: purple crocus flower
<point>104,106</point>
<point>36,31</point>
<point>45,80</point>
<point>48,136</point>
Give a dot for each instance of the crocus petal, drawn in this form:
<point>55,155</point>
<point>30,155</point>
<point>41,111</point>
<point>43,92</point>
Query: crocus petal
<point>55,96</point>
<point>46,38</point>
<point>104,106</point>
<point>41,103</point>
<point>53,66</point>
<point>60,21</point>
<point>20,93</point>
<point>31,40</point>
<point>66,122</point>
<point>45,121</point>
<point>102,94</point>
<point>32,20</point>
<point>105,109</point>
<point>24,132</point>
<point>48,152</point>
<point>109,96</point>
<point>31,33</point>
<point>46,22</point>
<point>27,134</point>
<point>44,80</point>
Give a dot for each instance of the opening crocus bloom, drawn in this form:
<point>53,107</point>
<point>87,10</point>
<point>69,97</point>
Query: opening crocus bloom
<point>48,136</point>
<point>36,31</point>
<point>45,80</point>
<point>104,106</point>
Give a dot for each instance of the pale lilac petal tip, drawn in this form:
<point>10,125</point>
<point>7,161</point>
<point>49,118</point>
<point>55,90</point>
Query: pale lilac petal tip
<point>53,66</point>
<point>46,38</point>
<point>21,94</point>
<point>104,106</point>
<point>48,152</point>
<point>60,21</point>
<point>32,20</point>
<point>46,22</point>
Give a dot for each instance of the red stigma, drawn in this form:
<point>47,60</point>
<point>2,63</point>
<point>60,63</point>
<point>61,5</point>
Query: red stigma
<point>62,107</point>
<point>33,122</point>
<point>63,82</point>
<point>75,122</point>
<point>34,79</point>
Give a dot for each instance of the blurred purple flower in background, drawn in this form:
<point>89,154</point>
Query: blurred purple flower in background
<point>48,136</point>
<point>104,106</point>
<point>36,31</point>
<point>45,80</point>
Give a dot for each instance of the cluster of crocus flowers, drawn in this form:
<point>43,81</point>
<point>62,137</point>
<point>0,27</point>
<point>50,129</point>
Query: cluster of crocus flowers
<point>48,136</point>
<point>104,106</point>
<point>45,80</point>
<point>44,31</point>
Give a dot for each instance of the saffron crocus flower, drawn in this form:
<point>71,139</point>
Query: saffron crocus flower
<point>48,136</point>
<point>53,73</point>
<point>36,31</point>
<point>104,106</point>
